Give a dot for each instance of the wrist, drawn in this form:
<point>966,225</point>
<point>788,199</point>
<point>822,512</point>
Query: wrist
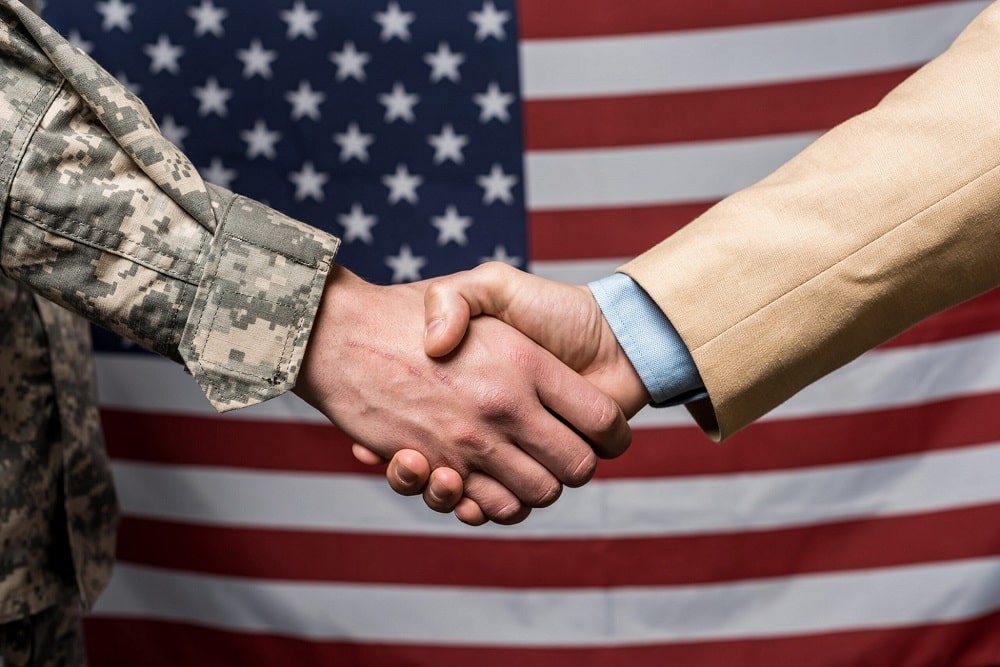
<point>339,304</point>
<point>649,341</point>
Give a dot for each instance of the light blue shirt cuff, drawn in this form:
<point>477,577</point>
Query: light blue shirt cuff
<point>652,344</point>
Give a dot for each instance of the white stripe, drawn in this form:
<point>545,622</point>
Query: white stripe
<point>883,379</point>
<point>742,56</point>
<point>873,599</point>
<point>878,380</point>
<point>700,171</point>
<point>616,508</point>
<point>152,384</point>
<point>578,271</point>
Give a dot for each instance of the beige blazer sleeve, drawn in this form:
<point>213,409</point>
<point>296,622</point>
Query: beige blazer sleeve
<point>883,221</point>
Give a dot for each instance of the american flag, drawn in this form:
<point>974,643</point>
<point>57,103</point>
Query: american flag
<point>858,524</point>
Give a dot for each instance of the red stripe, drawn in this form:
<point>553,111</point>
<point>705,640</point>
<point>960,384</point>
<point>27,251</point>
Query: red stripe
<point>666,452</point>
<point>555,19</point>
<point>972,643</point>
<point>805,443</point>
<point>230,443</point>
<point>702,115</point>
<point>541,563</point>
<point>979,315</point>
<point>574,235</point>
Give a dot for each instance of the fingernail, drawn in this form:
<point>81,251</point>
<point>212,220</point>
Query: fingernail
<point>435,493</point>
<point>434,329</point>
<point>406,476</point>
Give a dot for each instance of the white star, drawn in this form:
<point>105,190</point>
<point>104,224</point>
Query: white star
<point>208,19</point>
<point>256,60</point>
<point>398,104</point>
<point>301,21</point>
<point>489,22</point>
<point>395,22</point>
<point>212,98</point>
<point>117,14</point>
<point>308,182</point>
<point>76,39</point>
<point>497,185</point>
<point>353,143</point>
<point>405,266</point>
<point>493,103</point>
<point>357,225</point>
<point>448,145</point>
<point>402,185</point>
<point>350,62</point>
<point>218,174</point>
<point>260,141</point>
<point>135,88</point>
<point>173,132</point>
<point>500,255</point>
<point>164,55</point>
<point>451,227</point>
<point>444,63</point>
<point>305,101</point>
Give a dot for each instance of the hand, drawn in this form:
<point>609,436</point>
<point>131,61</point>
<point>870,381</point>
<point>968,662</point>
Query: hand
<point>565,319</point>
<point>490,407</point>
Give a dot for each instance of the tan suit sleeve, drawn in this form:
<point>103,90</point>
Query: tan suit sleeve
<point>883,221</point>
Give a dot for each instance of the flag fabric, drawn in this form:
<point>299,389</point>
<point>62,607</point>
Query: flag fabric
<point>858,524</point>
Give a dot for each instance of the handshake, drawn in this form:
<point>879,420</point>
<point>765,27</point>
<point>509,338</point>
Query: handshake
<point>486,416</point>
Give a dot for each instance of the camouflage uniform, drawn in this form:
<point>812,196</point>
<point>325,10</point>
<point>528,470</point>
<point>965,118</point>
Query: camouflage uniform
<point>106,218</point>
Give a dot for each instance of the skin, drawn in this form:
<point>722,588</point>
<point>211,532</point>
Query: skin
<point>497,410</point>
<point>564,319</point>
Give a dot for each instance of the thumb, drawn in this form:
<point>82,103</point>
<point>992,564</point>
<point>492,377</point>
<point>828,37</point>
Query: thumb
<point>449,304</point>
<point>446,319</point>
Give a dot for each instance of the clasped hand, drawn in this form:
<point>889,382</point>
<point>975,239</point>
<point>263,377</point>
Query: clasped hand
<point>496,413</point>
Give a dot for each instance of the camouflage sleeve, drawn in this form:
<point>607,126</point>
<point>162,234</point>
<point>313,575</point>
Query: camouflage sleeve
<point>104,216</point>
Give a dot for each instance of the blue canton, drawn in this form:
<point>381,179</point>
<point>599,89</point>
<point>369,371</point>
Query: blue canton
<point>394,125</point>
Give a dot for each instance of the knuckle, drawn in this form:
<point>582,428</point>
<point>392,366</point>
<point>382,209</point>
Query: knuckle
<point>611,433</point>
<point>545,494</point>
<point>583,471</point>
<point>607,416</point>
<point>507,513</point>
<point>497,403</point>
<point>493,270</point>
<point>435,291</point>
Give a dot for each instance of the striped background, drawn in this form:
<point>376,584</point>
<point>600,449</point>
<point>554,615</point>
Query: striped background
<point>858,524</point>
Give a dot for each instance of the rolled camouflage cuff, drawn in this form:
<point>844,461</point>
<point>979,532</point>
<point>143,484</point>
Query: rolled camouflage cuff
<point>252,314</point>
<point>106,217</point>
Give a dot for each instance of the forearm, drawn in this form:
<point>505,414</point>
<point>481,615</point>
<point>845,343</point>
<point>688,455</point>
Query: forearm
<point>885,220</point>
<point>106,217</point>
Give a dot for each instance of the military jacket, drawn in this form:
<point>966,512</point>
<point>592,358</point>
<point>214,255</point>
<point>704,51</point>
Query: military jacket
<point>106,218</point>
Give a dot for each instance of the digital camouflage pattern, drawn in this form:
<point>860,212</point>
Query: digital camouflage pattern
<point>50,638</point>
<point>35,564</point>
<point>102,201</point>
<point>102,215</point>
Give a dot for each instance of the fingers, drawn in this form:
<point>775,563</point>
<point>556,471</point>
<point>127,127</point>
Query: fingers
<point>444,490</point>
<point>544,455</point>
<point>365,455</point>
<point>408,472</point>
<point>486,498</point>
<point>529,478</point>
<point>468,512</point>
<point>572,423</point>
<point>586,410</point>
